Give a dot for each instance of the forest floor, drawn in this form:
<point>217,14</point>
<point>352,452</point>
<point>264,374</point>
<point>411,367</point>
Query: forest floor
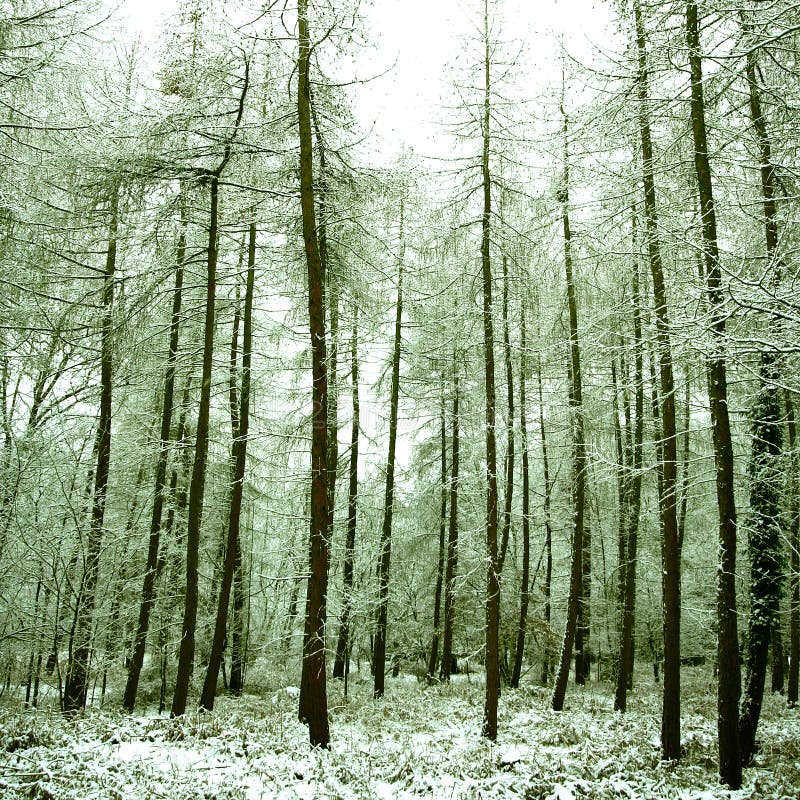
<point>416,743</point>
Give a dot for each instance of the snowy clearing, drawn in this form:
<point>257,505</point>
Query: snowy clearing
<point>415,743</point>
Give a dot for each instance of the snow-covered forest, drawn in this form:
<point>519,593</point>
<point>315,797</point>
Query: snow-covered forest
<point>399,404</point>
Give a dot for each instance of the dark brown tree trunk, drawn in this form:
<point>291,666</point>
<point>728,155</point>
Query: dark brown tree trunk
<point>519,650</point>
<point>151,568</point>
<point>670,550</point>
<point>548,532</point>
<point>343,642</point>
<point>240,419</point>
<point>684,485</point>
<point>778,672</point>
<point>384,565</point>
<point>794,556</point>
<point>729,677</point>
<point>766,479</point>
<point>77,681</point>
<point>633,507</point>
<point>313,704</point>
<point>623,483</point>
<point>197,486</point>
<point>433,657</point>
<point>583,660</point>
<point>491,656</point>
<point>509,460</point>
<point>451,562</point>
<point>578,451</point>
<point>763,545</point>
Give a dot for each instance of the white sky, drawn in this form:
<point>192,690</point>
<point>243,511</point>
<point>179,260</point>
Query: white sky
<point>424,39</point>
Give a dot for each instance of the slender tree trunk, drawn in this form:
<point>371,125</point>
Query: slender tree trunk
<point>313,704</point>
<point>451,562</point>
<point>684,484</point>
<point>729,677</point>
<point>509,460</point>
<point>633,507</point>
<point>583,661</point>
<point>433,658</point>
<point>778,676</point>
<point>379,652</point>
<point>240,414</point>
<point>670,550</point>
<point>763,544</point>
<point>77,681</point>
<point>794,556</point>
<point>197,486</point>
<point>519,650</point>
<point>548,531</point>
<point>492,662</point>
<point>148,589</point>
<point>578,451</point>
<point>343,642</point>
<point>623,486</point>
<point>764,529</point>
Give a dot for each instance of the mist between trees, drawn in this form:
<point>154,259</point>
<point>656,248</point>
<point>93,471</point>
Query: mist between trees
<point>526,408</point>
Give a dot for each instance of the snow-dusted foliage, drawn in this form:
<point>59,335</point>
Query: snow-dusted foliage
<point>414,743</point>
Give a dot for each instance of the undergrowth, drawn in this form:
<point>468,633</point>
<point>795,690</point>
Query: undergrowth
<point>416,742</point>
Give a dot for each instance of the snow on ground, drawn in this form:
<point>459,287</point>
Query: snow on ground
<point>415,743</point>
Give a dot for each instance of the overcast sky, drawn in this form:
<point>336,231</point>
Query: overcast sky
<point>424,40</point>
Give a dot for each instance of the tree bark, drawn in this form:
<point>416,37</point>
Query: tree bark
<point>384,565</point>
<point>578,450</point>
<point>509,460</point>
<point>794,556</point>
<point>765,468</point>
<point>197,486</point>
<point>519,650</point>
<point>77,681</point>
<point>633,508</point>
<point>151,568</point>
<point>433,657</point>
<point>313,703</point>
<point>240,413</point>
<point>451,562</point>
<point>343,642</point>
<point>729,678</point>
<point>670,550</point>
<point>548,531</point>
<point>491,656</point>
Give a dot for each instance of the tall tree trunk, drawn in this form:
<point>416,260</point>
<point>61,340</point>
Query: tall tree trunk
<point>451,562</point>
<point>384,565</point>
<point>729,677</point>
<point>198,482</point>
<point>623,487</point>
<point>583,661</point>
<point>670,549</point>
<point>519,650</point>
<point>794,556</point>
<point>197,486</point>
<point>764,529</point>
<point>433,657</point>
<point>491,656</point>
<point>548,531</point>
<point>578,449</point>
<point>763,545</point>
<point>77,681</point>
<point>509,460</point>
<point>154,541</point>
<point>633,507</point>
<point>313,704</point>
<point>343,641</point>
<point>240,416</point>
